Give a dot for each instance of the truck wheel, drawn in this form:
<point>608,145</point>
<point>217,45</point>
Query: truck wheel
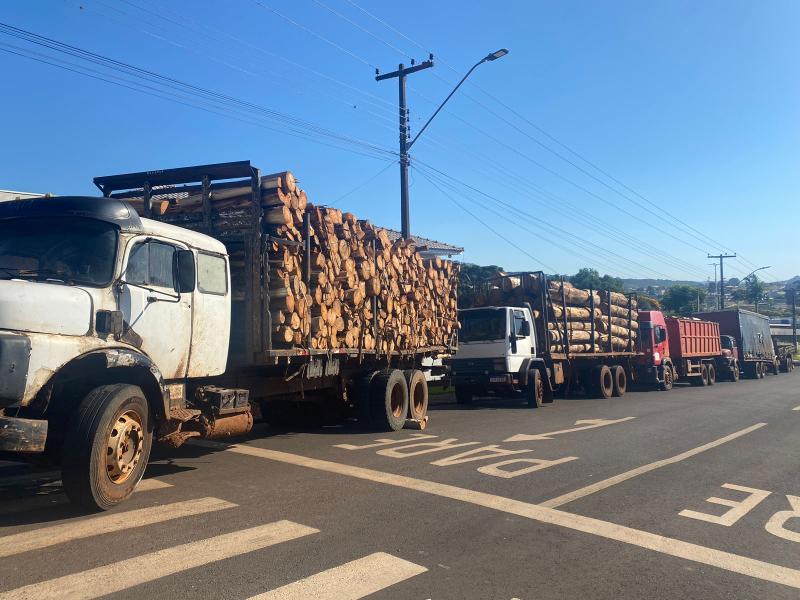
<point>364,399</point>
<point>789,364</point>
<point>712,375</point>
<point>703,379</point>
<point>759,370</point>
<point>417,394</point>
<point>620,381</point>
<point>389,400</point>
<point>666,385</point>
<point>735,372</point>
<point>604,381</point>
<point>463,395</point>
<point>106,446</point>
<point>535,390</point>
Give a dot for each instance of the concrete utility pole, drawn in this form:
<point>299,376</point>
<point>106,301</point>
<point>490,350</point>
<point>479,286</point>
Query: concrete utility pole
<point>716,284</point>
<point>721,258</point>
<point>405,143</point>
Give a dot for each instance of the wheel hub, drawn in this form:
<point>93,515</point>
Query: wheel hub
<point>124,447</point>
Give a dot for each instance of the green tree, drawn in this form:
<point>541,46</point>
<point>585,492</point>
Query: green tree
<point>754,289</point>
<point>590,279</point>
<point>683,299</point>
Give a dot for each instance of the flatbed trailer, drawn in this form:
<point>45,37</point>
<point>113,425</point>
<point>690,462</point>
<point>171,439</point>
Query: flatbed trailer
<point>337,379</point>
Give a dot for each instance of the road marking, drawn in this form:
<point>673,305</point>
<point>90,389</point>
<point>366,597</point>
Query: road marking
<point>796,408</point>
<point>148,485</point>
<point>607,483</point>
<point>125,574</point>
<point>109,523</point>
<point>586,424</point>
<point>386,442</point>
<point>738,508</point>
<point>349,581</point>
<point>643,539</point>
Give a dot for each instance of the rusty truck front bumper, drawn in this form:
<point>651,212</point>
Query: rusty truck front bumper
<point>22,435</point>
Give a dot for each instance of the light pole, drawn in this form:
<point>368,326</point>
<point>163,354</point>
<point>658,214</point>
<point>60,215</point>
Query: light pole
<point>405,144</point>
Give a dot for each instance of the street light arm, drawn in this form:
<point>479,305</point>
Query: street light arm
<point>463,79</point>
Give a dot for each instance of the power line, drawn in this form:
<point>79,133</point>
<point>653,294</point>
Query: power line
<point>486,225</point>
<point>366,183</point>
<point>548,135</point>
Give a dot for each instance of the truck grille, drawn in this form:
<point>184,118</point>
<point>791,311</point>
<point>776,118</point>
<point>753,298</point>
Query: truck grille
<point>473,366</point>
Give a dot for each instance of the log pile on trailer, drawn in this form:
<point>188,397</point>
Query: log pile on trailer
<point>577,320</point>
<point>359,290</point>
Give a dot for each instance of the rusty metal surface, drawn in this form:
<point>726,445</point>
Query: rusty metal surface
<point>229,426</point>
<point>22,435</point>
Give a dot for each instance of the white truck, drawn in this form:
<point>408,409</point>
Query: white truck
<point>116,330</point>
<point>506,351</point>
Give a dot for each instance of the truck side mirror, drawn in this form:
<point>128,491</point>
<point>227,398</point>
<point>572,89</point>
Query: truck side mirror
<point>525,329</point>
<point>185,272</point>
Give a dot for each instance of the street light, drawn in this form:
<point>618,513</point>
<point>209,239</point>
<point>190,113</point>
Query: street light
<point>488,58</point>
<point>755,271</point>
<point>405,144</point>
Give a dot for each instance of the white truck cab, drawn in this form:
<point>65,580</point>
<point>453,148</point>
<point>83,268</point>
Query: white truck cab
<point>497,355</point>
<point>105,317</point>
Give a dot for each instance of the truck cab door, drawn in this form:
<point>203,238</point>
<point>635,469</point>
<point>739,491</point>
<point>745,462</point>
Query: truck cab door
<point>520,339</point>
<point>159,317</point>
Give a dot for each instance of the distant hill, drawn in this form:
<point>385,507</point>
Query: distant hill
<point>633,284</point>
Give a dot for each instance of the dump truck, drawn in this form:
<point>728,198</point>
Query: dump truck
<point>748,332</point>
<point>118,329</point>
<point>533,338</point>
<point>676,348</point>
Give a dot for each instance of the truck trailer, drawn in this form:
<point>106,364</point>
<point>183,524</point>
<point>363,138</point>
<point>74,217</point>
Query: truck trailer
<point>749,333</point>
<point>533,349</point>
<point>118,329</point>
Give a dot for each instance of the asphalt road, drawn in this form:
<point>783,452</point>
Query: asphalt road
<point>693,493</point>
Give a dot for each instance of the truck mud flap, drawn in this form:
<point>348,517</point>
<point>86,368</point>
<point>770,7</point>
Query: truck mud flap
<point>22,435</point>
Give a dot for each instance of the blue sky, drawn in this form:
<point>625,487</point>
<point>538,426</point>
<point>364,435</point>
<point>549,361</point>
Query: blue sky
<point>693,106</point>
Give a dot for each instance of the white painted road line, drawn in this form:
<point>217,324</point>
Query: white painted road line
<point>148,485</point>
<point>607,483</point>
<point>643,539</point>
<point>349,581</point>
<point>582,425</point>
<point>108,523</point>
<point>796,408</point>
<point>148,567</point>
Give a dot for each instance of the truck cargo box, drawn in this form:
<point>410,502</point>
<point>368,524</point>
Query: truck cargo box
<point>751,331</point>
<point>692,338</point>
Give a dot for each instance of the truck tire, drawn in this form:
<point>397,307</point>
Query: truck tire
<point>760,370</point>
<point>736,373</point>
<point>669,379</point>
<point>389,405</point>
<point>463,395</point>
<point>603,381</point>
<point>620,381</point>
<point>789,364</point>
<point>703,379</point>
<point>417,393</point>
<point>534,391</point>
<point>363,392</point>
<point>712,374</point>
<point>106,446</point>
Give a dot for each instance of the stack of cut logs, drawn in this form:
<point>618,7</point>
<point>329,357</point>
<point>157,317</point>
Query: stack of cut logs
<point>583,314</point>
<point>352,262</point>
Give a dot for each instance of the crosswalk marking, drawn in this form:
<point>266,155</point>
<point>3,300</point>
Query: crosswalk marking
<point>349,581</point>
<point>124,574</point>
<point>148,485</point>
<point>109,523</point>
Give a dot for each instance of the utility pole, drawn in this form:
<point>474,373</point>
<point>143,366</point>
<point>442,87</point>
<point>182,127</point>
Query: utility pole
<point>722,258</point>
<point>401,74</point>
<point>716,284</point>
<point>406,143</point>
<point>794,316</point>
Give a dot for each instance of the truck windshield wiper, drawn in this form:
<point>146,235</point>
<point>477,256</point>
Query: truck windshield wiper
<point>40,274</point>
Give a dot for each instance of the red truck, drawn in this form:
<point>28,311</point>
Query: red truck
<point>675,348</point>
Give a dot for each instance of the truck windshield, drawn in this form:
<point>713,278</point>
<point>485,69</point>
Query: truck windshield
<point>727,342</point>
<point>68,249</point>
<point>645,339</point>
<point>482,325</point>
